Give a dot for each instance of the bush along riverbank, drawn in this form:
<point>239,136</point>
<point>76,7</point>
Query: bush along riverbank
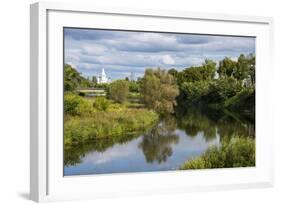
<point>88,119</point>
<point>238,152</point>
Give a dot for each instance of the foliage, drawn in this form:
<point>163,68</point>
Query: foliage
<point>244,100</point>
<point>229,89</point>
<point>192,92</point>
<point>159,91</point>
<point>134,86</point>
<point>76,105</point>
<point>205,72</point>
<point>134,95</point>
<point>118,91</point>
<point>239,152</point>
<point>227,67</point>
<point>243,68</point>
<point>173,72</point>
<point>101,124</point>
<point>104,86</point>
<point>209,92</point>
<point>82,106</point>
<point>73,79</point>
<point>101,104</point>
<point>222,89</point>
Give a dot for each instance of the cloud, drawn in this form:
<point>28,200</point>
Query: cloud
<point>144,42</point>
<point>94,49</point>
<point>123,52</point>
<point>168,60</point>
<point>112,153</point>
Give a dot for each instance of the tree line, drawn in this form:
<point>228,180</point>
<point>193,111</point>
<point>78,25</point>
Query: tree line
<point>228,84</point>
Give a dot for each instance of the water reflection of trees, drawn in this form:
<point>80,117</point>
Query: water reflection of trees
<point>157,143</point>
<point>193,123</point>
<point>215,122</point>
<point>74,154</point>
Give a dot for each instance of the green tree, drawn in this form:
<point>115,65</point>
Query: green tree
<point>119,90</point>
<point>243,68</point>
<point>208,69</point>
<point>73,79</point>
<point>134,86</point>
<point>227,67</point>
<point>199,73</point>
<point>222,89</point>
<point>173,72</point>
<point>192,92</point>
<point>199,87</point>
<point>158,90</point>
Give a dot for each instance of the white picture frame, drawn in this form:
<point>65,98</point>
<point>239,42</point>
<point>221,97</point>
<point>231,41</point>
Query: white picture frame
<point>47,182</point>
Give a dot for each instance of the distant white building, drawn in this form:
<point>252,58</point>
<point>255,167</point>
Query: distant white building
<point>247,82</point>
<point>103,78</point>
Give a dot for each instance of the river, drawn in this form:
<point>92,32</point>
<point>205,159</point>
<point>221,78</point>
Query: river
<point>165,146</point>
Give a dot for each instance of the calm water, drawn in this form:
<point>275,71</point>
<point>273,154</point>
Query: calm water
<point>164,146</point>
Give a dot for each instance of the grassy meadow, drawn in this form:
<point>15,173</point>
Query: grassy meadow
<point>94,118</point>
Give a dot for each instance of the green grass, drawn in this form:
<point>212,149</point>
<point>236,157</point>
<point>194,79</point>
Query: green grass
<point>238,152</point>
<point>88,118</point>
<point>78,129</point>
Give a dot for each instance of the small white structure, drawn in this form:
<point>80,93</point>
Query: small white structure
<point>103,78</point>
<point>247,82</point>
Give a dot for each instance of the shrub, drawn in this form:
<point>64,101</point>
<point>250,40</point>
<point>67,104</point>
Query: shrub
<point>76,105</point>
<point>238,152</point>
<point>245,99</point>
<point>197,163</point>
<point>133,86</point>
<point>119,90</point>
<point>192,92</point>
<point>81,94</point>
<point>101,104</point>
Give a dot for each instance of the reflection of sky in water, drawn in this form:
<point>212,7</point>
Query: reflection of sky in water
<point>129,157</point>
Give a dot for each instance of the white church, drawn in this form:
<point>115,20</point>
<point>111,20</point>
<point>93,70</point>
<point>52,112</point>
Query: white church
<point>103,78</point>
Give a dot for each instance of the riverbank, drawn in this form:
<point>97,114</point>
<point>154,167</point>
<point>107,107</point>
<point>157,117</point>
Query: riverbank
<point>238,152</point>
<point>89,119</point>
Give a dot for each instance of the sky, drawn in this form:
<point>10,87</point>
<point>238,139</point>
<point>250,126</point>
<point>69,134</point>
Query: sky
<point>122,52</point>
